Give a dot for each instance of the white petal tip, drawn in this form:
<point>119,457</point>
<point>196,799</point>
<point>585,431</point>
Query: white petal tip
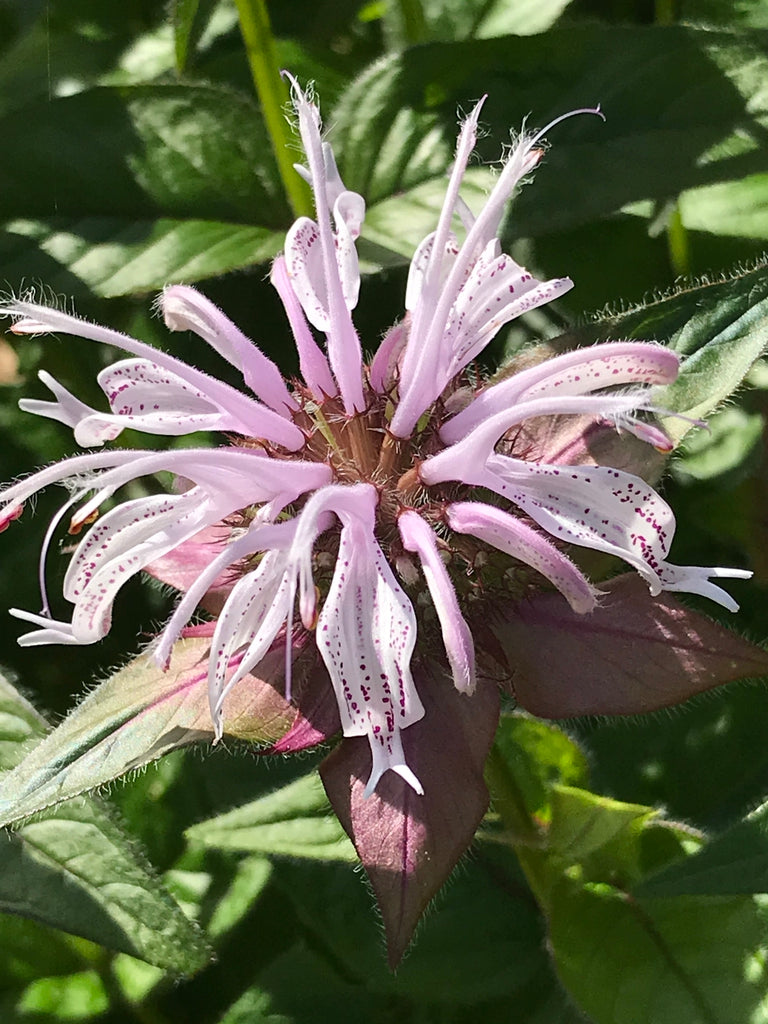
<point>400,769</point>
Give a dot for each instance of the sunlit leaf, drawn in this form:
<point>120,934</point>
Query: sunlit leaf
<point>700,961</point>
<point>134,717</point>
<point>75,869</point>
<point>396,125</point>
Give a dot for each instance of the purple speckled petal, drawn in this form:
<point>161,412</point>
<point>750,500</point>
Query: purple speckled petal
<point>366,632</point>
<point>69,410</point>
<point>252,417</point>
<point>573,373</point>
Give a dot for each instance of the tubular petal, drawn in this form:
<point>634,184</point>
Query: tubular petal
<point>365,634</point>
<point>515,537</point>
<point>418,537</point>
<point>312,362</point>
<point>253,418</point>
<point>573,373</point>
<point>186,309</point>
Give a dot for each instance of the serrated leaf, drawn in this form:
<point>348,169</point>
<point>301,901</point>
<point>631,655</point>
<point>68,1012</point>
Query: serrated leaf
<point>113,256</point>
<point>134,717</point>
<point>399,119</point>
<point>295,821</point>
<point>659,961</point>
<point>75,869</point>
<point>719,331</point>
<point>735,862</point>
<point>148,183</point>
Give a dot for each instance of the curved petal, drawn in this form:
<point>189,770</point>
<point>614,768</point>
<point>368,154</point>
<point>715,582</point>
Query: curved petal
<point>573,373</point>
<point>515,537</point>
<point>186,309</point>
<point>323,265</point>
<point>312,362</point>
<point>254,419</point>
<point>417,536</point>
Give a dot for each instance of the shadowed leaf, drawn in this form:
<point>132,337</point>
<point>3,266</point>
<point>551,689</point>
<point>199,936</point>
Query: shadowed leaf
<point>733,863</point>
<point>294,821</point>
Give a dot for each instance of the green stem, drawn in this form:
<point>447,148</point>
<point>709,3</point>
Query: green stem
<point>677,244</point>
<point>509,803</point>
<point>273,96</point>
<point>413,21</point>
<point>664,13</point>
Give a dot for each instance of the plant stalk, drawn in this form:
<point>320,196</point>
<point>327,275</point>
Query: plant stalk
<point>273,97</point>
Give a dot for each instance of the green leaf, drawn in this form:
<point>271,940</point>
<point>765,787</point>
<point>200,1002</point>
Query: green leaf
<point>504,955</point>
<point>624,961</point>
<point>135,717</point>
<point>295,821</point>
<point>124,188</point>
<point>451,20</point>
<point>75,869</point>
<point>733,863</point>
<point>731,437</point>
<point>397,123</point>
<point>537,757</point>
<point>323,995</point>
<point>249,881</point>
<point>719,330</point>
<point>113,256</point>
<point>583,822</point>
<point>76,997</point>
<point>737,208</point>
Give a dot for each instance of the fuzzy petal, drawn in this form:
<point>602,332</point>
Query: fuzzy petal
<point>312,362</point>
<point>573,373</point>
<point>417,536</point>
<point>323,265</point>
<point>69,410</point>
<point>186,309</point>
<point>512,535</point>
<point>253,418</point>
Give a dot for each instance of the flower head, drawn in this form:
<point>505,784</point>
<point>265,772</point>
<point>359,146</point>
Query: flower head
<point>371,505</point>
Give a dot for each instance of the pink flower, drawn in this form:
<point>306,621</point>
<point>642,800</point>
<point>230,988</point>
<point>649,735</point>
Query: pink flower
<point>352,502</point>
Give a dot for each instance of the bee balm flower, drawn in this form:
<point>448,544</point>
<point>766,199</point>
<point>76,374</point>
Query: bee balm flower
<point>354,499</point>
